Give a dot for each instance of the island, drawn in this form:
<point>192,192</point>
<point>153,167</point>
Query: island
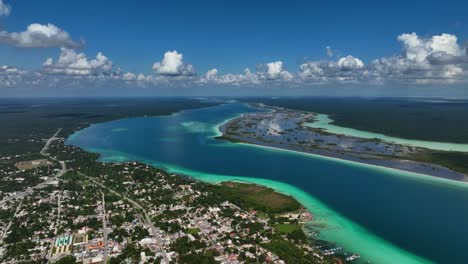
<point>290,129</point>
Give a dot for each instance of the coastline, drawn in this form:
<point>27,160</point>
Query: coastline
<point>329,225</point>
<point>332,226</point>
<point>324,122</point>
<point>399,165</point>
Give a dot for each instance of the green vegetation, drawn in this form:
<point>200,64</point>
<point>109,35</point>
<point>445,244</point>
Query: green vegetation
<point>287,228</point>
<point>191,251</point>
<point>192,231</point>
<point>257,197</point>
<point>66,260</point>
<point>287,251</point>
<point>130,253</point>
<point>412,119</point>
<point>227,138</point>
<point>457,161</point>
<point>31,120</point>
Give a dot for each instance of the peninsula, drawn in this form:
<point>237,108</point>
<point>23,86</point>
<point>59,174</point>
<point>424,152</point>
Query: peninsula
<point>293,130</point>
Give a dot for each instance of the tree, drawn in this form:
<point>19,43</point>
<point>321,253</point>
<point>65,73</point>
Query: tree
<point>66,260</point>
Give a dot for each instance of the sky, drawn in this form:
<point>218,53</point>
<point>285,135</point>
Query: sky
<point>336,48</point>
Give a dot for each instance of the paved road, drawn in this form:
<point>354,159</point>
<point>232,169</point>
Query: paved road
<point>43,184</point>
<point>11,221</point>
<point>146,218</point>
<point>59,210</point>
<point>214,244</point>
<point>104,227</point>
<point>46,146</point>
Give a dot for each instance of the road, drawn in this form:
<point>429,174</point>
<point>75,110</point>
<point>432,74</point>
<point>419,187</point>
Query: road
<point>215,245</point>
<point>59,210</point>
<point>11,221</point>
<point>46,146</point>
<point>146,219</point>
<point>104,227</point>
<point>43,184</point>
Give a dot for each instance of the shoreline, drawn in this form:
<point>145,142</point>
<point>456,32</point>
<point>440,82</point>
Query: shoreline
<point>331,225</point>
<point>399,165</point>
<point>416,175</point>
<point>324,122</point>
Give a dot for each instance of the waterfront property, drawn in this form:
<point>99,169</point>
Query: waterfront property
<point>351,202</point>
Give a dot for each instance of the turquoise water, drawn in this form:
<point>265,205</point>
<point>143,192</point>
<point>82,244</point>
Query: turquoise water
<point>388,216</point>
<point>324,122</point>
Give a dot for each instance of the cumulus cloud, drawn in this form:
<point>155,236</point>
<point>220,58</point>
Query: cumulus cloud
<point>39,36</point>
<point>350,63</point>
<point>245,78</point>
<point>275,70</point>
<point>173,65</point>
<point>346,69</point>
<point>129,76</point>
<point>267,73</point>
<point>437,58</point>
<point>8,70</point>
<point>418,49</point>
<point>211,74</point>
<point>10,76</point>
<point>72,63</point>
<point>5,9</point>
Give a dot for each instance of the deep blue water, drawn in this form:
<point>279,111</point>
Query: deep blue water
<point>426,218</point>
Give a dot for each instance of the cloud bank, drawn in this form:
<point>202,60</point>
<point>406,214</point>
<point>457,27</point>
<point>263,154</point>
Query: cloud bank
<point>434,60</point>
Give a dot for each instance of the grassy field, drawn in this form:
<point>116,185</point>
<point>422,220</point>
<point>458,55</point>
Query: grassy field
<point>192,231</point>
<point>259,197</point>
<point>287,228</point>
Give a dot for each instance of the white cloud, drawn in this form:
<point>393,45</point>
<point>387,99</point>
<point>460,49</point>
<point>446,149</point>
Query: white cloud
<point>418,49</point>
<point>8,70</point>
<point>245,78</point>
<point>10,76</point>
<point>5,9</point>
<point>72,63</point>
<point>425,60</point>
<point>172,64</point>
<point>275,70</point>
<point>437,59</point>
<point>129,76</point>
<point>211,74</point>
<point>350,63</point>
<point>141,77</point>
<point>39,36</point>
<point>346,69</point>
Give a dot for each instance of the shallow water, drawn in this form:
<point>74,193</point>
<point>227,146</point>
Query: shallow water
<point>324,122</point>
<point>381,213</point>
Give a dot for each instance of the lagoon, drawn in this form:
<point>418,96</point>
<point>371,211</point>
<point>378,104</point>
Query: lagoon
<point>387,216</point>
<point>324,122</point>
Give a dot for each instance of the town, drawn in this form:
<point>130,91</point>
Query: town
<point>66,207</point>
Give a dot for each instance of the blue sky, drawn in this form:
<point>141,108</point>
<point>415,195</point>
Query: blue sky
<point>231,36</point>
